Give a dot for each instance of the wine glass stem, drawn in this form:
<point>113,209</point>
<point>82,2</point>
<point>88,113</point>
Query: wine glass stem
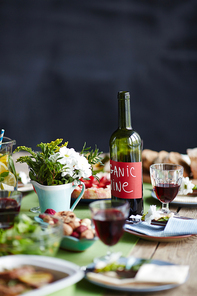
<point>165,207</point>
<point>108,251</point>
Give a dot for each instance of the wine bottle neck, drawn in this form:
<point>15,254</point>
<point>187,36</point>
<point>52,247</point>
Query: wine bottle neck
<point>124,113</point>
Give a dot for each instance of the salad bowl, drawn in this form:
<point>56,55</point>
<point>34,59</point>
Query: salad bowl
<point>26,236</point>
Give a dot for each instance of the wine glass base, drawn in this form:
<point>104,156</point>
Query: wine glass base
<point>103,258</point>
<point>167,212</point>
<point>110,257</point>
<point>35,210</point>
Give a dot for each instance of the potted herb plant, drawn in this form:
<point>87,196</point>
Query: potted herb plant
<point>56,170</point>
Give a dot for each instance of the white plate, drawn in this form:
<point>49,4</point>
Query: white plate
<point>140,288</point>
<point>25,187</point>
<point>71,272</point>
<point>182,200</point>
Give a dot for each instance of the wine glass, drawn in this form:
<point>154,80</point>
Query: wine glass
<point>166,180</point>
<point>109,217</point>
<point>10,203</point>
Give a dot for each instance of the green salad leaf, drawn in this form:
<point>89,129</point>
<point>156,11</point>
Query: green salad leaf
<point>27,237</point>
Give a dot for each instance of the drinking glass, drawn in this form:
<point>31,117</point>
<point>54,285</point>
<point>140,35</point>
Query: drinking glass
<point>10,203</point>
<point>109,217</point>
<point>7,168</point>
<point>166,180</point>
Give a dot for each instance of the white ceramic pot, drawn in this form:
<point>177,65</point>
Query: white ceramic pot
<point>56,197</point>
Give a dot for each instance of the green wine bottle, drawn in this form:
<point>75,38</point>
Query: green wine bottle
<point>125,159</point>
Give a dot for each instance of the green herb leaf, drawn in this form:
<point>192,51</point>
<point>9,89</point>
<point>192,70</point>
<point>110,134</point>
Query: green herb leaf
<point>48,172</point>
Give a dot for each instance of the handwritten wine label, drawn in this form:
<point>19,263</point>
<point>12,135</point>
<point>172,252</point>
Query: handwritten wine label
<point>126,179</point>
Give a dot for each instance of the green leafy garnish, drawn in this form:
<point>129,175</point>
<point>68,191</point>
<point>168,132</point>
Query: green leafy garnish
<point>46,171</point>
<point>12,166</point>
<point>116,266</point>
<point>3,175</point>
<point>163,219</point>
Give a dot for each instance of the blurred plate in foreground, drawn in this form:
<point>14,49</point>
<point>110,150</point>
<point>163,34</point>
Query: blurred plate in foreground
<point>65,273</point>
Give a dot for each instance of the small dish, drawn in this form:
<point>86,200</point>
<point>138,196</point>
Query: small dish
<point>71,243</point>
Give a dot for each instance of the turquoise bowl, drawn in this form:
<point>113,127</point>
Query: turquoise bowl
<point>71,243</point>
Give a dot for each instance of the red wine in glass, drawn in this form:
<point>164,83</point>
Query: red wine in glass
<point>109,225</point>
<point>166,192</point>
<point>166,180</point>
<point>9,205</point>
<point>9,209</point>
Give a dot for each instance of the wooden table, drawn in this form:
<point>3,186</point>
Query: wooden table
<point>182,252</point>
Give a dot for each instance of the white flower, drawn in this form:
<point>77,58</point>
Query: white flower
<point>67,154</point>
<point>152,214</point>
<point>83,167</point>
<point>24,178</point>
<point>186,186</point>
<point>75,165</point>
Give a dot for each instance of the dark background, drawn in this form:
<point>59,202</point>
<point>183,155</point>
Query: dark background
<point>63,62</point>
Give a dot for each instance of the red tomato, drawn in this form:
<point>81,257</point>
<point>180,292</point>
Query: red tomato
<point>102,183</point>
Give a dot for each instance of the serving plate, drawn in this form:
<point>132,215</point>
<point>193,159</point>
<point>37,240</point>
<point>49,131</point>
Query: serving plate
<point>166,239</point>
<point>145,288</point>
<point>182,200</point>
<point>25,187</point>
<point>87,201</point>
<point>65,273</point>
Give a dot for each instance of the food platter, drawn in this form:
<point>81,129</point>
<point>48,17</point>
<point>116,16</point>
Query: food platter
<point>182,200</point>
<point>65,273</point>
<point>139,288</point>
<point>94,189</point>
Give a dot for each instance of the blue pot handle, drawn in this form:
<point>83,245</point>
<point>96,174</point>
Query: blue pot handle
<point>79,197</point>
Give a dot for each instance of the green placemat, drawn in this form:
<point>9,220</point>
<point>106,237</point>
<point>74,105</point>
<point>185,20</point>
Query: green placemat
<point>125,245</point>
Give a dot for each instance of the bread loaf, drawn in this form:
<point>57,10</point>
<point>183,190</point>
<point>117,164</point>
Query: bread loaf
<point>175,157</point>
<point>192,153</point>
<point>150,157</point>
